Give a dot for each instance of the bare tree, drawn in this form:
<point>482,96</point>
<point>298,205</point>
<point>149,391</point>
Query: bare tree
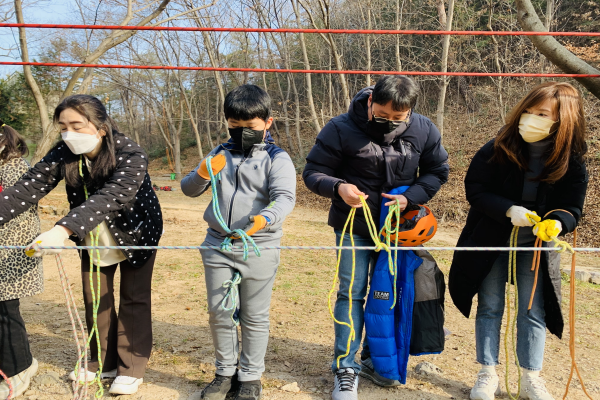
<point>553,50</point>
<point>112,39</point>
<point>325,12</point>
<point>445,21</point>
<point>307,77</point>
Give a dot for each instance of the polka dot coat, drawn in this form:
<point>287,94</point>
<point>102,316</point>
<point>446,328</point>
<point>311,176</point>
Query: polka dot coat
<point>126,201</point>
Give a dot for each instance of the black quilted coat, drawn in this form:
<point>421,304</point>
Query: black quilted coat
<point>492,189</point>
<point>126,201</point>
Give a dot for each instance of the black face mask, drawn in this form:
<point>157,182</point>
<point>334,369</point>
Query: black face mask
<point>378,130</point>
<point>245,138</point>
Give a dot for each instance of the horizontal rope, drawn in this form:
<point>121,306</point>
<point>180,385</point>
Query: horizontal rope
<point>298,30</point>
<point>302,71</point>
<point>582,249</point>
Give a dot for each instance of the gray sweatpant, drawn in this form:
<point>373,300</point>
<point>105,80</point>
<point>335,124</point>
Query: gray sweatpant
<point>254,301</point>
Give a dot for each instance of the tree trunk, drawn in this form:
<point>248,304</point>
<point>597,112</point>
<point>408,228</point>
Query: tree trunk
<point>368,39</point>
<point>398,24</point>
<point>554,51</point>
<point>307,77</point>
<point>189,111</point>
<point>47,128</point>
<point>499,84</point>
<point>207,113</point>
<point>297,101</point>
<point>445,49</point>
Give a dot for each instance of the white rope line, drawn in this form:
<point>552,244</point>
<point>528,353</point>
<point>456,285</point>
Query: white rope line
<point>238,248</point>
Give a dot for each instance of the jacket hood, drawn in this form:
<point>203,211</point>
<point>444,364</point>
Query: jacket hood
<point>359,113</point>
<point>359,108</point>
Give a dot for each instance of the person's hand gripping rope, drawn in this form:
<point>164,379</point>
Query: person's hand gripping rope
<point>54,237</point>
<point>256,223</point>
<point>217,164</point>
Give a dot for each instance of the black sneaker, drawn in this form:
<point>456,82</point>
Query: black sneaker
<point>250,390</point>
<point>220,387</point>
<point>368,371</point>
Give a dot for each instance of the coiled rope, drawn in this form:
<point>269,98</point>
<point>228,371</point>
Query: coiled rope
<point>227,244</point>
<point>95,305</point>
<point>79,393</point>
<point>379,245</point>
<point>9,383</point>
<point>560,246</point>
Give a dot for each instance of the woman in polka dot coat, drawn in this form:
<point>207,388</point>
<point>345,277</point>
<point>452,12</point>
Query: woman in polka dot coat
<point>115,202</point>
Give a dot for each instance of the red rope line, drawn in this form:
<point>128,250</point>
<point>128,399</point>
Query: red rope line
<point>302,71</point>
<point>297,30</point>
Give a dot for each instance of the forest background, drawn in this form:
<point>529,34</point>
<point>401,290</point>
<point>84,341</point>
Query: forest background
<point>179,113</point>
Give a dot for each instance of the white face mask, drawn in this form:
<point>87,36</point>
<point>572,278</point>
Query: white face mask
<point>534,128</point>
<point>80,143</point>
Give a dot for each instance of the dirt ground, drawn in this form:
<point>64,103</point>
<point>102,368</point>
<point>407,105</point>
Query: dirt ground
<point>300,347</point>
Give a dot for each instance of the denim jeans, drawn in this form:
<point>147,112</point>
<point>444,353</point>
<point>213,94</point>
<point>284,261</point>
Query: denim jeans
<point>531,325</point>
<point>363,259</point>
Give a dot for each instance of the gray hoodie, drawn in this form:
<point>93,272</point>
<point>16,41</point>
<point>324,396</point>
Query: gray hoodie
<point>261,182</point>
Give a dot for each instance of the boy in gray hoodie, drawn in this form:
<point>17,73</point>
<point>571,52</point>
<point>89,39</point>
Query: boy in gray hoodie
<point>256,191</point>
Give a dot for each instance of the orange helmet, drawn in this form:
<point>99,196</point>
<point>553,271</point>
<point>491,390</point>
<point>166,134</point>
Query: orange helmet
<point>417,226</point>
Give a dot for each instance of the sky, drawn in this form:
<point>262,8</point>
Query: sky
<point>43,12</point>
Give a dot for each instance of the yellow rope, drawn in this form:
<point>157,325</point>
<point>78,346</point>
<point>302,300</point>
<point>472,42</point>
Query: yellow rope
<point>511,325</point>
<point>95,300</point>
<point>379,245</point>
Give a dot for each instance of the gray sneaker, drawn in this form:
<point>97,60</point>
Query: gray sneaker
<point>345,385</point>
<point>220,387</point>
<point>250,390</point>
<point>368,371</point>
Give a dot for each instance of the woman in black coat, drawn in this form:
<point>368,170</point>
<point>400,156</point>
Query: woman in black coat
<point>535,164</point>
<point>111,203</point>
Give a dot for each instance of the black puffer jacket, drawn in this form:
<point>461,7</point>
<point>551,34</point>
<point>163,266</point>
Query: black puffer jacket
<point>344,152</point>
<point>493,188</point>
<point>126,202</point>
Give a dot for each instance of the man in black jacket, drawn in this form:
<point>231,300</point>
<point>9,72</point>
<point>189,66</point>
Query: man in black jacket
<point>378,145</point>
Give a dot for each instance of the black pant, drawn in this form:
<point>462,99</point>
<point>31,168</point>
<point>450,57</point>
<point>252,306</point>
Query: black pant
<point>126,339</point>
<point>15,356</point>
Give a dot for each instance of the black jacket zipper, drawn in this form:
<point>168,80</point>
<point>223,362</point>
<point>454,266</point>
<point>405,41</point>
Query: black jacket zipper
<point>237,170</point>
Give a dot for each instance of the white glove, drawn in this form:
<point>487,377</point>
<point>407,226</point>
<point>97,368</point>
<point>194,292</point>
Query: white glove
<point>518,216</point>
<point>54,237</point>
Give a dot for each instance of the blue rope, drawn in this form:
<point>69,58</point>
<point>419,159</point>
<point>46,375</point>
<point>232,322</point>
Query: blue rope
<point>232,293</point>
<point>227,244</point>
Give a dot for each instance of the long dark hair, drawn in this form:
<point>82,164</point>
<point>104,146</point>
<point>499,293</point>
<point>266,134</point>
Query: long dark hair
<point>568,137</point>
<point>104,164</point>
<point>13,142</point>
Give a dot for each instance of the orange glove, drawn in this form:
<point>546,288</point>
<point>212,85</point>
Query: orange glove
<point>257,223</point>
<point>217,163</point>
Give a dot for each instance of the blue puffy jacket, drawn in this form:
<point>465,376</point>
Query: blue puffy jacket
<point>389,331</point>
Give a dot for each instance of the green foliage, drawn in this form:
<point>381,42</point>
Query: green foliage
<point>15,102</point>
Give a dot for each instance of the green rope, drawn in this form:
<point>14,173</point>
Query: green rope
<point>228,242</point>
<point>394,211</point>
<point>95,298</point>
<point>230,284</point>
<point>232,293</point>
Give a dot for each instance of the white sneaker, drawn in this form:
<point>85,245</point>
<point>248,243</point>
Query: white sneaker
<point>534,388</point>
<point>90,376</point>
<point>345,385</point>
<point>125,385</point>
<point>486,387</point>
<point>19,382</point>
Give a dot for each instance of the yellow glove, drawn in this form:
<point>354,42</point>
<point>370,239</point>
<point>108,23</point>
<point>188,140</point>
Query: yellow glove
<point>547,230</point>
<point>217,163</point>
